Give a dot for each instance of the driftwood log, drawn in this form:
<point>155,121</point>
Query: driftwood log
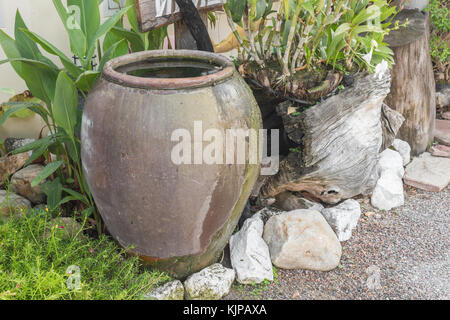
<point>339,143</point>
<point>413,87</point>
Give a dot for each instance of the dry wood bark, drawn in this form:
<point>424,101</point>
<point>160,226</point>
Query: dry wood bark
<point>339,140</point>
<point>413,86</point>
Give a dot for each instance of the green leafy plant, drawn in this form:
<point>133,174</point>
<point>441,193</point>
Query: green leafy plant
<point>36,253</point>
<point>62,178</point>
<point>440,37</point>
<point>309,34</point>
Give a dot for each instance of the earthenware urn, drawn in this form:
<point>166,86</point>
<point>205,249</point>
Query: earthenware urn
<point>147,111</point>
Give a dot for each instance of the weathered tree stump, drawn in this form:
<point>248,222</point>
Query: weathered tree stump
<point>340,140</point>
<point>412,86</point>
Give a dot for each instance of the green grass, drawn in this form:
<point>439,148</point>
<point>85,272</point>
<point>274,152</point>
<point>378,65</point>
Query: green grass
<point>36,252</point>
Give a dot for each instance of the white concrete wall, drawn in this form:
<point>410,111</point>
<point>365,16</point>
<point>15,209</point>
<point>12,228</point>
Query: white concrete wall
<point>41,17</point>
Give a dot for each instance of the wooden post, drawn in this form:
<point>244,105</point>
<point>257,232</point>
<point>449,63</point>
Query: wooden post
<point>183,37</point>
<point>413,88</point>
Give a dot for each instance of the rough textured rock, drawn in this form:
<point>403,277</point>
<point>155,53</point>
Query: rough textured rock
<point>440,151</point>
<point>446,115</point>
<point>21,184</point>
<point>10,164</point>
<point>404,149</point>
<point>12,203</point>
<point>288,201</point>
<point>428,173</point>
<point>391,121</point>
<point>390,160</point>
<point>339,142</point>
<point>343,218</point>
<point>249,253</point>
<point>388,192</point>
<point>12,144</point>
<point>211,283</point>
<point>302,239</point>
<point>442,131</point>
<point>173,290</point>
<point>443,97</point>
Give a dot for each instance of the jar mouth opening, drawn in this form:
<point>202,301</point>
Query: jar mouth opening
<point>168,69</point>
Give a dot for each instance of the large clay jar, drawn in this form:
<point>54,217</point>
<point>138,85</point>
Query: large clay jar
<point>176,217</point>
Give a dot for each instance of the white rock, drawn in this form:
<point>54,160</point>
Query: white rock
<point>249,253</point>
<point>302,239</point>
<point>343,218</point>
<point>211,283</point>
<point>391,160</point>
<point>404,149</point>
<point>388,192</point>
<point>173,290</point>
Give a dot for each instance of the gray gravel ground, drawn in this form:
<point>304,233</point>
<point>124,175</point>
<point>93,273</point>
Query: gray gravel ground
<point>406,249</point>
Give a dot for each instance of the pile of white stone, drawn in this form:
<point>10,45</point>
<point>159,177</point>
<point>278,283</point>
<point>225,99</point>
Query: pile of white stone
<point>308,238</point>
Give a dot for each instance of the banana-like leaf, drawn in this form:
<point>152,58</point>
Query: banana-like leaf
<point>46,172</point>
<point>78,41</point>
<point>65,104</point>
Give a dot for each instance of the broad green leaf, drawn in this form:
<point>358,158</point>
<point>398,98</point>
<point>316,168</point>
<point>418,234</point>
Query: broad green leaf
<point>104,28</point>
<point>111,38</point>
<point>156,38</point>
<point>136,42</point>
<point>53,190</point>
<point>65,104</point>
<point>89,17</point>
<point>11,51</point>
<point>86,80</point>
<point>78,41</point>
<point>131,15</point>
<point>46,172</point>
<point>369,13</point>
<point>118,49</point>
<point>48,140</point>
<point>76,195</point>
<point>27,47</point>
<point>236,8</point>
<point>47,46</point>
<point>343,28</point>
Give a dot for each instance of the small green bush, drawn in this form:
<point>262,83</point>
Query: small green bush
<point>36,253</point>
<point>440,36</point>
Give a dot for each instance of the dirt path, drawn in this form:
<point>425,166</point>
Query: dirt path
<point>403,253</point>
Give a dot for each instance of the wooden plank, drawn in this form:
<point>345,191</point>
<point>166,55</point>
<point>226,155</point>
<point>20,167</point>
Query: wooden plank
<point>153,14</point>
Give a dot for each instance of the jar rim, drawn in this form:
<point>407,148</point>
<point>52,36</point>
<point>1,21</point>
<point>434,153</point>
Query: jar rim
<point>111,74</point>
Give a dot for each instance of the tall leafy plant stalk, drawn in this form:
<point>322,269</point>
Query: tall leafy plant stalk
<point>303,34</point>
<point>59,88</point>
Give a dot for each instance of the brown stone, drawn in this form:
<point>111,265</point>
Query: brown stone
<point>21,183</point>
<point>442,131</point>
<point>12,203</point>
<point>11,164</point>
<point>440,151</point>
